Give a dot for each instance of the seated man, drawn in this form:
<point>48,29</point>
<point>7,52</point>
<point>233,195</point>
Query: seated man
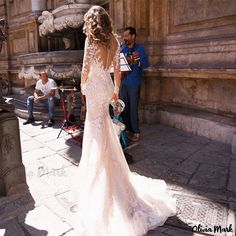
<point>46,93</point>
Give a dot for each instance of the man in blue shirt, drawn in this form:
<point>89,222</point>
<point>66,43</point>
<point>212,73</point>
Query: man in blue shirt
<point>131,81</point>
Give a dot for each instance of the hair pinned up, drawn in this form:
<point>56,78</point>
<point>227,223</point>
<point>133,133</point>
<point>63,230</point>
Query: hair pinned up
<point>98,25</point>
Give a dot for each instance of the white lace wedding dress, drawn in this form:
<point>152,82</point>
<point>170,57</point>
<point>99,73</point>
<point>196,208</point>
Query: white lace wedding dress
<point>112,201</point>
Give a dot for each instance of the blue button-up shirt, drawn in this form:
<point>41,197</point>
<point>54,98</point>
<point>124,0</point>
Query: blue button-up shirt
<point>134,77</point>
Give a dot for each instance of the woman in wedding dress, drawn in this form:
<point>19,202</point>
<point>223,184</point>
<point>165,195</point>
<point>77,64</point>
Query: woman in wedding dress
<point>112,201</point>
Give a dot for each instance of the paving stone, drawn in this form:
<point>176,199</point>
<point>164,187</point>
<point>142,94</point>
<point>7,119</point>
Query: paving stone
<point>157,143</point>
<point>156,232</point>
<point>41,218</point>
<point>167,230</point>
<point>187,166</point>
<point>70,233</point>
<point>52,135</point>
<point>37,153</point>
<point>33,169</point>
<point>185,149</point>
<point>195,168</point>
<point>24,137</point>
<point>11,228</point>
<point>209,176</point>
<point>233,163</point>
<point>217,147</point>
<point>60,180</point>
<point>212,158</point>
<point>183,133</point>
<point>147,130</point>
<point>193,211</point>
<point>162,172</point>
<point>140,153</point>
<point>232,218</point>
<point>197,140</point>
<point>59,144</point>
<point>135,169</point>
<point>232,180</point>
<point>10,209</point>
<point>168,159</point>
<point>40,190</point>
<point>30,145</point>
<point>50,164</point>
<point>54,162</point>
<point>72,154</point>
<point>65,198</point>
<point>59,209</point>
<point>35,130</point>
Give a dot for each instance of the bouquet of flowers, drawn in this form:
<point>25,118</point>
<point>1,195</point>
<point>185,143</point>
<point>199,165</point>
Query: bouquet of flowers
<point>118,107</point>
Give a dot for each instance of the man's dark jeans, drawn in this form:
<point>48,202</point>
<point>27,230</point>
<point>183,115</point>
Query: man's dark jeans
<point>130,95</point>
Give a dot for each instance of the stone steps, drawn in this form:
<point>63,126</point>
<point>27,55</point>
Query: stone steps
<point>40,111</point>
<point>213,126</point>
<point>218,127</point>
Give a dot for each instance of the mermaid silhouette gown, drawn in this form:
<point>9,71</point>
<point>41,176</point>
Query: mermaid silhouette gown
<point>112,201</point>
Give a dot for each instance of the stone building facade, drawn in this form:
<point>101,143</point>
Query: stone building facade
<point>191,47</point>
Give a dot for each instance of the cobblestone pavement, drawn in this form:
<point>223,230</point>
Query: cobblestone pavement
<point>200,173</point>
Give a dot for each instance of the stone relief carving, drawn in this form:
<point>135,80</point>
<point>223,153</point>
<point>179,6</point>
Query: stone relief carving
<point>7,144</point>
<point>67,16</point>
<point>73,71</point>
<point>50,25</point>
<point>47,23</point>
<point>63,22</point>
<point>29,73</point>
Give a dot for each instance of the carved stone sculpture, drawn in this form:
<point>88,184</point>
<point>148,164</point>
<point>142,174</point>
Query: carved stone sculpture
<point>64,17</point>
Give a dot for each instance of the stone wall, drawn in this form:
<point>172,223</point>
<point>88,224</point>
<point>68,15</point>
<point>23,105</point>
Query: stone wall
<point>3,53</point>
<point>198,56</point>
<point>22,36</point>
<point>191,46</point>
<point>23,33</point>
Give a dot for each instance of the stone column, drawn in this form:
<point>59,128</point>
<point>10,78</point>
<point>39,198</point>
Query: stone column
<point>38,5</point>
<point>12,171</point>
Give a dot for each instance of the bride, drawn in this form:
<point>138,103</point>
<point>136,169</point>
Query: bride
<point>112,201</point>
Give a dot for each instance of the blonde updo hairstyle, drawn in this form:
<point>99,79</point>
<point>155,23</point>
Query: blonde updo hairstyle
<point>98,25</point>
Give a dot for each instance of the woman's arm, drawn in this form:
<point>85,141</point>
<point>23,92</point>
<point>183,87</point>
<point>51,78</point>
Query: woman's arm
<point>86,65</point>
<point>117,75</point>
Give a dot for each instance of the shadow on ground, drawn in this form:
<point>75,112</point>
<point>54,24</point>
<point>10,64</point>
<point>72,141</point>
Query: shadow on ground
<point>15,220</point>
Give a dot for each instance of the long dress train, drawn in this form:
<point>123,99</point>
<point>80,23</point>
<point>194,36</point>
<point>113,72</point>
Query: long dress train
<point>112,201</point>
